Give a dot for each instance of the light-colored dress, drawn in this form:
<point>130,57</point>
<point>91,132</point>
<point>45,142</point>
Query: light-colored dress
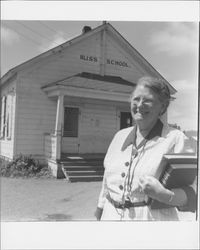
<point>163,140</point>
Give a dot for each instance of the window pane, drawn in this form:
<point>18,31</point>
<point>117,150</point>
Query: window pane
<point>71,122</point>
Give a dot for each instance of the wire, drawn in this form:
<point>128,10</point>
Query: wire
<point>45,25</point>
<point>21,34</point>
<point>36,32</point>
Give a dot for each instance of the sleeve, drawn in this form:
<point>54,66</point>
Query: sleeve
<point>180,143</point>
<point>104,189</point>
<point>103,193</point>
<point>181,147</point>
<point>191,204</point>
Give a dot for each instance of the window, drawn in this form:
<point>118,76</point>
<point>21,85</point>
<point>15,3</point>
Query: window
<point>6,116</point>
<point>3,116</point>
<point>71,122</point>
<point>9,116</point>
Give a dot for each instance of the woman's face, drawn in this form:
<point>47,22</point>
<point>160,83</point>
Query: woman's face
<point>145,107</point>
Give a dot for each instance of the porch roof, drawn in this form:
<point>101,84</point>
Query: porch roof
<point>89,85</point>
<point>93,81</point>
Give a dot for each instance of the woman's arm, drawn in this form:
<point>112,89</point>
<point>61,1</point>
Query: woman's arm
<point>98,213</point>
<point>175,197</point>
<point>185,198</point>
<point>104,190</point>
<point>154,189</point>
<point>102,198</point>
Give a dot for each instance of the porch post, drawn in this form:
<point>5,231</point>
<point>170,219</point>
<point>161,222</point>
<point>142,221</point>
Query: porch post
<point>58,126</point>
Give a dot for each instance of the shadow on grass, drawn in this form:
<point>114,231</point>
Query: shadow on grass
<point>57,217</point>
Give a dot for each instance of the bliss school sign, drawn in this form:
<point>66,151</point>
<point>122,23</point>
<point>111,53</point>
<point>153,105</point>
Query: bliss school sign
<point>108,61</point>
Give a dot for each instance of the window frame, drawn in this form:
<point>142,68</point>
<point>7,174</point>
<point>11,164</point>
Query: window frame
<point>9,116</point>
<point>3,117</point>
<point>6,116</point>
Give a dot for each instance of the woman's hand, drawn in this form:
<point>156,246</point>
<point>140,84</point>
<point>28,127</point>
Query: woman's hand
<point>153,188</point>
<point>98,213</point>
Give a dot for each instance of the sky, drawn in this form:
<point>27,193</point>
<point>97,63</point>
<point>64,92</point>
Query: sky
<point>170,47</point>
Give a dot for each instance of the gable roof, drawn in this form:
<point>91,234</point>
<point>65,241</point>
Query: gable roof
<point>108,27</point>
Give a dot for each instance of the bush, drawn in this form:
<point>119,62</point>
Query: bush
<point>23,166</point>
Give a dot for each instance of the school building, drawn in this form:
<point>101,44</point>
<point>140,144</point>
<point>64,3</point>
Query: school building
<point>71,99</point>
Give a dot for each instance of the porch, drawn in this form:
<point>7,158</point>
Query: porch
<point>73,167</point>
<point>89,109</point>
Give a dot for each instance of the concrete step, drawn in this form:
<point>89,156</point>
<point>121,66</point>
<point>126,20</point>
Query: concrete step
<point>87,168</point>
<point>83,163</point>
<point>80,159</point>
<point>83,168</point>
<point>86,178</point>
<point>85,173</point>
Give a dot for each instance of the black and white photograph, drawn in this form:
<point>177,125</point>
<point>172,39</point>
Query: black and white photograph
<point>99,129</point>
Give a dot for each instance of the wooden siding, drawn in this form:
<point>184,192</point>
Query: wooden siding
<point>37,112</point>
<point>113,51</point>
<point>7,143</point>
<point>36,116</point>
<point>67,62</point>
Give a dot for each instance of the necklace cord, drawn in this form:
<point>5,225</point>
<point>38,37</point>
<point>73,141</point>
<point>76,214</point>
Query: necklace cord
<point>129,178</point>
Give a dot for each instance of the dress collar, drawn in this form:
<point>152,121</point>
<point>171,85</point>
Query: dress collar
<point>155,131</point>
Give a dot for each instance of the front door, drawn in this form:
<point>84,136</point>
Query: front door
<point>125,120</point>
<point>70,139</point>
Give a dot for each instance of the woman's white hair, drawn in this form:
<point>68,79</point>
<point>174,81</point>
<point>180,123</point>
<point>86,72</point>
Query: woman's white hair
<point>158,86</point>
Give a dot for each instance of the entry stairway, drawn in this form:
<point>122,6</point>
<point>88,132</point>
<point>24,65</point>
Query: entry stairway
<point>80,168</point>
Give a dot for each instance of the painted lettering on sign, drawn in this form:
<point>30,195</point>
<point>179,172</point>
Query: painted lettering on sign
<point>119,63</point>
<point>88,58</point>
<point>108,61</point>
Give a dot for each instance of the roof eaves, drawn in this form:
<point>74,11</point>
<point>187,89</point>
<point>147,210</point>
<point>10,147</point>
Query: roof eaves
<point>8,77</point>
<point>58,82</point>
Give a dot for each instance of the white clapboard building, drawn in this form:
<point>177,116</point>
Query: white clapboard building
<point>71,99</point>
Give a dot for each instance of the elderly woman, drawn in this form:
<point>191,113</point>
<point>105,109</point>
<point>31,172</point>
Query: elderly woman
<point>132,163</point>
